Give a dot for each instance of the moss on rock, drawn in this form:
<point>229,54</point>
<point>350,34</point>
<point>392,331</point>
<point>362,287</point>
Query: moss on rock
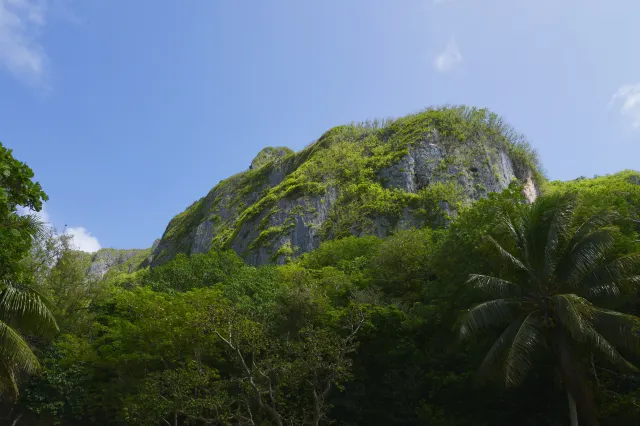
<point>268,154</point>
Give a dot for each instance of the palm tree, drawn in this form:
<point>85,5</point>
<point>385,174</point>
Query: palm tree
<point>552,269</point>
<point>21,308</point>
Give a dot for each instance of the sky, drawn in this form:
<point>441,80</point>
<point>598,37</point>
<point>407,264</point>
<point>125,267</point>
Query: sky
<point>128,111</point>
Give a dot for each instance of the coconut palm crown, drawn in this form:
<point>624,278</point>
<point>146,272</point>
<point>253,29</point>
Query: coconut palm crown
<point>552,273</point>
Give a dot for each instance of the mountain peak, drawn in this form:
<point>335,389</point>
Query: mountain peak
<point>361,179</point>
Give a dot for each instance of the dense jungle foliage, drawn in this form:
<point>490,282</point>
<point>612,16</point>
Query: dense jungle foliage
<point>515,313</point>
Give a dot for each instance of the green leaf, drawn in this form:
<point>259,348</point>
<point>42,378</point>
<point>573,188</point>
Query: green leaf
<point>486,315</point>
<point>493,285</point>
<point>526,340</point>
<point>502,343</point>
<point>574,314</point>
<point>508,257</point>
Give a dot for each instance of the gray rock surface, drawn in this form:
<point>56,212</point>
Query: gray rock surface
<point>301,235</point>
<point>105,259</point>
<point>488,172</point>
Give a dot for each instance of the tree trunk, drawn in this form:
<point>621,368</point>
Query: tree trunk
<point>573,412</point>
<point>15,422</point>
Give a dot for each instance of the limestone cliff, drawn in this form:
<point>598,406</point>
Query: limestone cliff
<point>369,178</point>
<point>108,259</point>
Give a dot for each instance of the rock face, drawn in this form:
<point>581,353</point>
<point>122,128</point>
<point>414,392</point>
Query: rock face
<point>354,180</point>
<point>108,259</point>
<point>295,226</point>
<point>484,172</point>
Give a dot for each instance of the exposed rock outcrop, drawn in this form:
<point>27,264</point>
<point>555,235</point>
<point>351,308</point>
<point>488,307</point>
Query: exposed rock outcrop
<point>107,259</point>
<point>354,180</point>
<point>268,154</point>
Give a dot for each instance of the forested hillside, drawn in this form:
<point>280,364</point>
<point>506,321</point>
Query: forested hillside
<point>479,293</point>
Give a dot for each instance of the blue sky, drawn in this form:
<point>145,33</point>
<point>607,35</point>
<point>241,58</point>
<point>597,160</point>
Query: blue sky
<point>128,111</point>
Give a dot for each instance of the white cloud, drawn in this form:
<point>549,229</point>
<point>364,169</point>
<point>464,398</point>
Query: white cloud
<point>83,240</point>
<point>449,58</point>
<point>629,98</point>
<point>21,22</point>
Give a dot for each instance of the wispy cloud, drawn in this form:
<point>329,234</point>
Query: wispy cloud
<point>449,59</point>
<point>628,96</point>
<point>21,24</point>
<point>81,238</point>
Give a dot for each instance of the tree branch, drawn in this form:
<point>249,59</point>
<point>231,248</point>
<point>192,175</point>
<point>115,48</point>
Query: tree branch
<point>270,409</point>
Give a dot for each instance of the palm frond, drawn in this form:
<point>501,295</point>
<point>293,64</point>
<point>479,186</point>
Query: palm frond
<point>515,231</point>
<point>631,282</point>
<point>610,289</point>
<point>584,258</point>
<point>30,224</point>
<point>612,275</point>
<point>26,309</point>
<point>8,382</point>
<point>577,316</point>
<point>558,229</point>
<point>44,298</point>
<point>537,221</point>
<point>602,345</point>
<point>15,352</point>
<point>592,224</point>
<point>624,266</point>
<point>35,226</point>
<point>623,330</point>
<point>508,257</point>
<point>493,357</point>
<point>486,315</point>
<point>574,314</point>
<point>493,285</point>
<point>526,340</point>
